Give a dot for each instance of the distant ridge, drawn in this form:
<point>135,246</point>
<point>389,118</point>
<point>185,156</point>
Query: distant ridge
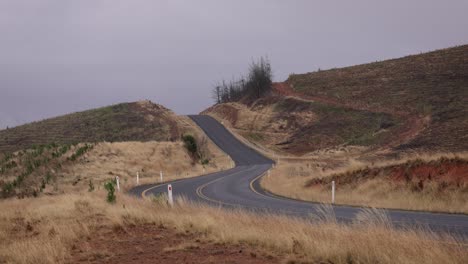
<point>136,121</point>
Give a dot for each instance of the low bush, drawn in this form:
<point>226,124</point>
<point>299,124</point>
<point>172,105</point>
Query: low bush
<point>110,188</point>
<point>190,144</point>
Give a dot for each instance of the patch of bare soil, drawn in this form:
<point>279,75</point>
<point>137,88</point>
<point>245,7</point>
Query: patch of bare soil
<point>160,244</point>
<point>443,172</point>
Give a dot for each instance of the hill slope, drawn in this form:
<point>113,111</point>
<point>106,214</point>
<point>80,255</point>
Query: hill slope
<point>433,85</point>
<point>416,102</point>
<point>138,121</point>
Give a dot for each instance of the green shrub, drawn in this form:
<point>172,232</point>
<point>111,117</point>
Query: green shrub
<point>191,145</point>
<point>109,186</point>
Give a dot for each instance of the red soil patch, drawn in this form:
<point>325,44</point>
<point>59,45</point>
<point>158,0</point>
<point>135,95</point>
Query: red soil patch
<point>444,172</point>
<point>452,173</point>
<point>158,244</point>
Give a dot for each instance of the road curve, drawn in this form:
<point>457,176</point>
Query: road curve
<point>239,188</point>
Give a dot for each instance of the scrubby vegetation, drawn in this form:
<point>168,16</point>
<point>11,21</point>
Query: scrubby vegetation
<point>298,127</point>
<point>432,85</point>
<point>197,148</point>
<point>257,84</point>
<point>36,168</point>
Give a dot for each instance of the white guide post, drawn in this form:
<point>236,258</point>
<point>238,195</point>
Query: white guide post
<point>269,172</point>
<point>138,177</point>
<point>169,195</point>
<point>118,184</point>
<point>160,176</point>
<point>333,192</point>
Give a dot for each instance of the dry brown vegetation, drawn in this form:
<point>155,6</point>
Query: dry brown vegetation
<point>58,169</point>
<point>47,229</point>
<point>125,159</point>
<point>436,182</point>
<point>295,126</point>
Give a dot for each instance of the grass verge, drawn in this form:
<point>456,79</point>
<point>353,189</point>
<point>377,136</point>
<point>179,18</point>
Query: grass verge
<point>45,229</point>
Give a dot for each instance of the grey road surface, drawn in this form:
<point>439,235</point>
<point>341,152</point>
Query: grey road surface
<point>239,188</point>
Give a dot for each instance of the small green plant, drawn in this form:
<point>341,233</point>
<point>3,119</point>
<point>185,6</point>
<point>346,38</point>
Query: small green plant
<point>60,151</point>
<point>7,188</point>
<point>80,151</point>
<point>7,157</point>
<point>91,186</point>
<point>109,186</point>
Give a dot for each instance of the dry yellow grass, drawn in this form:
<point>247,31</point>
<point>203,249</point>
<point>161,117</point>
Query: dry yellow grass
<point>43,230</point>
<point>125,159</point>
<point>104,161</point>
<point>255,128</point>
<point>291,175</point>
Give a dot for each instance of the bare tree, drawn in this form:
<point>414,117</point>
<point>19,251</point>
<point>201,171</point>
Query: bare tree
<point>260,77</point>
<point>216,94</point>
<point>258,83</point>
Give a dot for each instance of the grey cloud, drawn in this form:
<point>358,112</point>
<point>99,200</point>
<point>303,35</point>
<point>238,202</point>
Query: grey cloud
<point>60,56</point>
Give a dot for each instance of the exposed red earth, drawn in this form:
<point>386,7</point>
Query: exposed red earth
<point>444,173</point>
<point>160,244</point>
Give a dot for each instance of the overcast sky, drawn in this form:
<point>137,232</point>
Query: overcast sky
<point>61,56</point>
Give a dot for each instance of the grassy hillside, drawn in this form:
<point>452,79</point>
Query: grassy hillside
<point>433,85</point>
<point>296,126</point>
<point>139,121</point>
<point>417,102</point>
<point>67,153</point>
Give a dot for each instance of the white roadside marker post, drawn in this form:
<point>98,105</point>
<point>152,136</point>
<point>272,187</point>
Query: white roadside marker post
<point>138,178</point>
<point>269,173</point>
<point>169,195</point>
<point>333,192</point>
<point>118,184</point>
<point>160,176</point>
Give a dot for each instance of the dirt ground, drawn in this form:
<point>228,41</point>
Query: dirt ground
<point>160,244</point>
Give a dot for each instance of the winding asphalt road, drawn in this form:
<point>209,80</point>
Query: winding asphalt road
<point>239,188</point>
